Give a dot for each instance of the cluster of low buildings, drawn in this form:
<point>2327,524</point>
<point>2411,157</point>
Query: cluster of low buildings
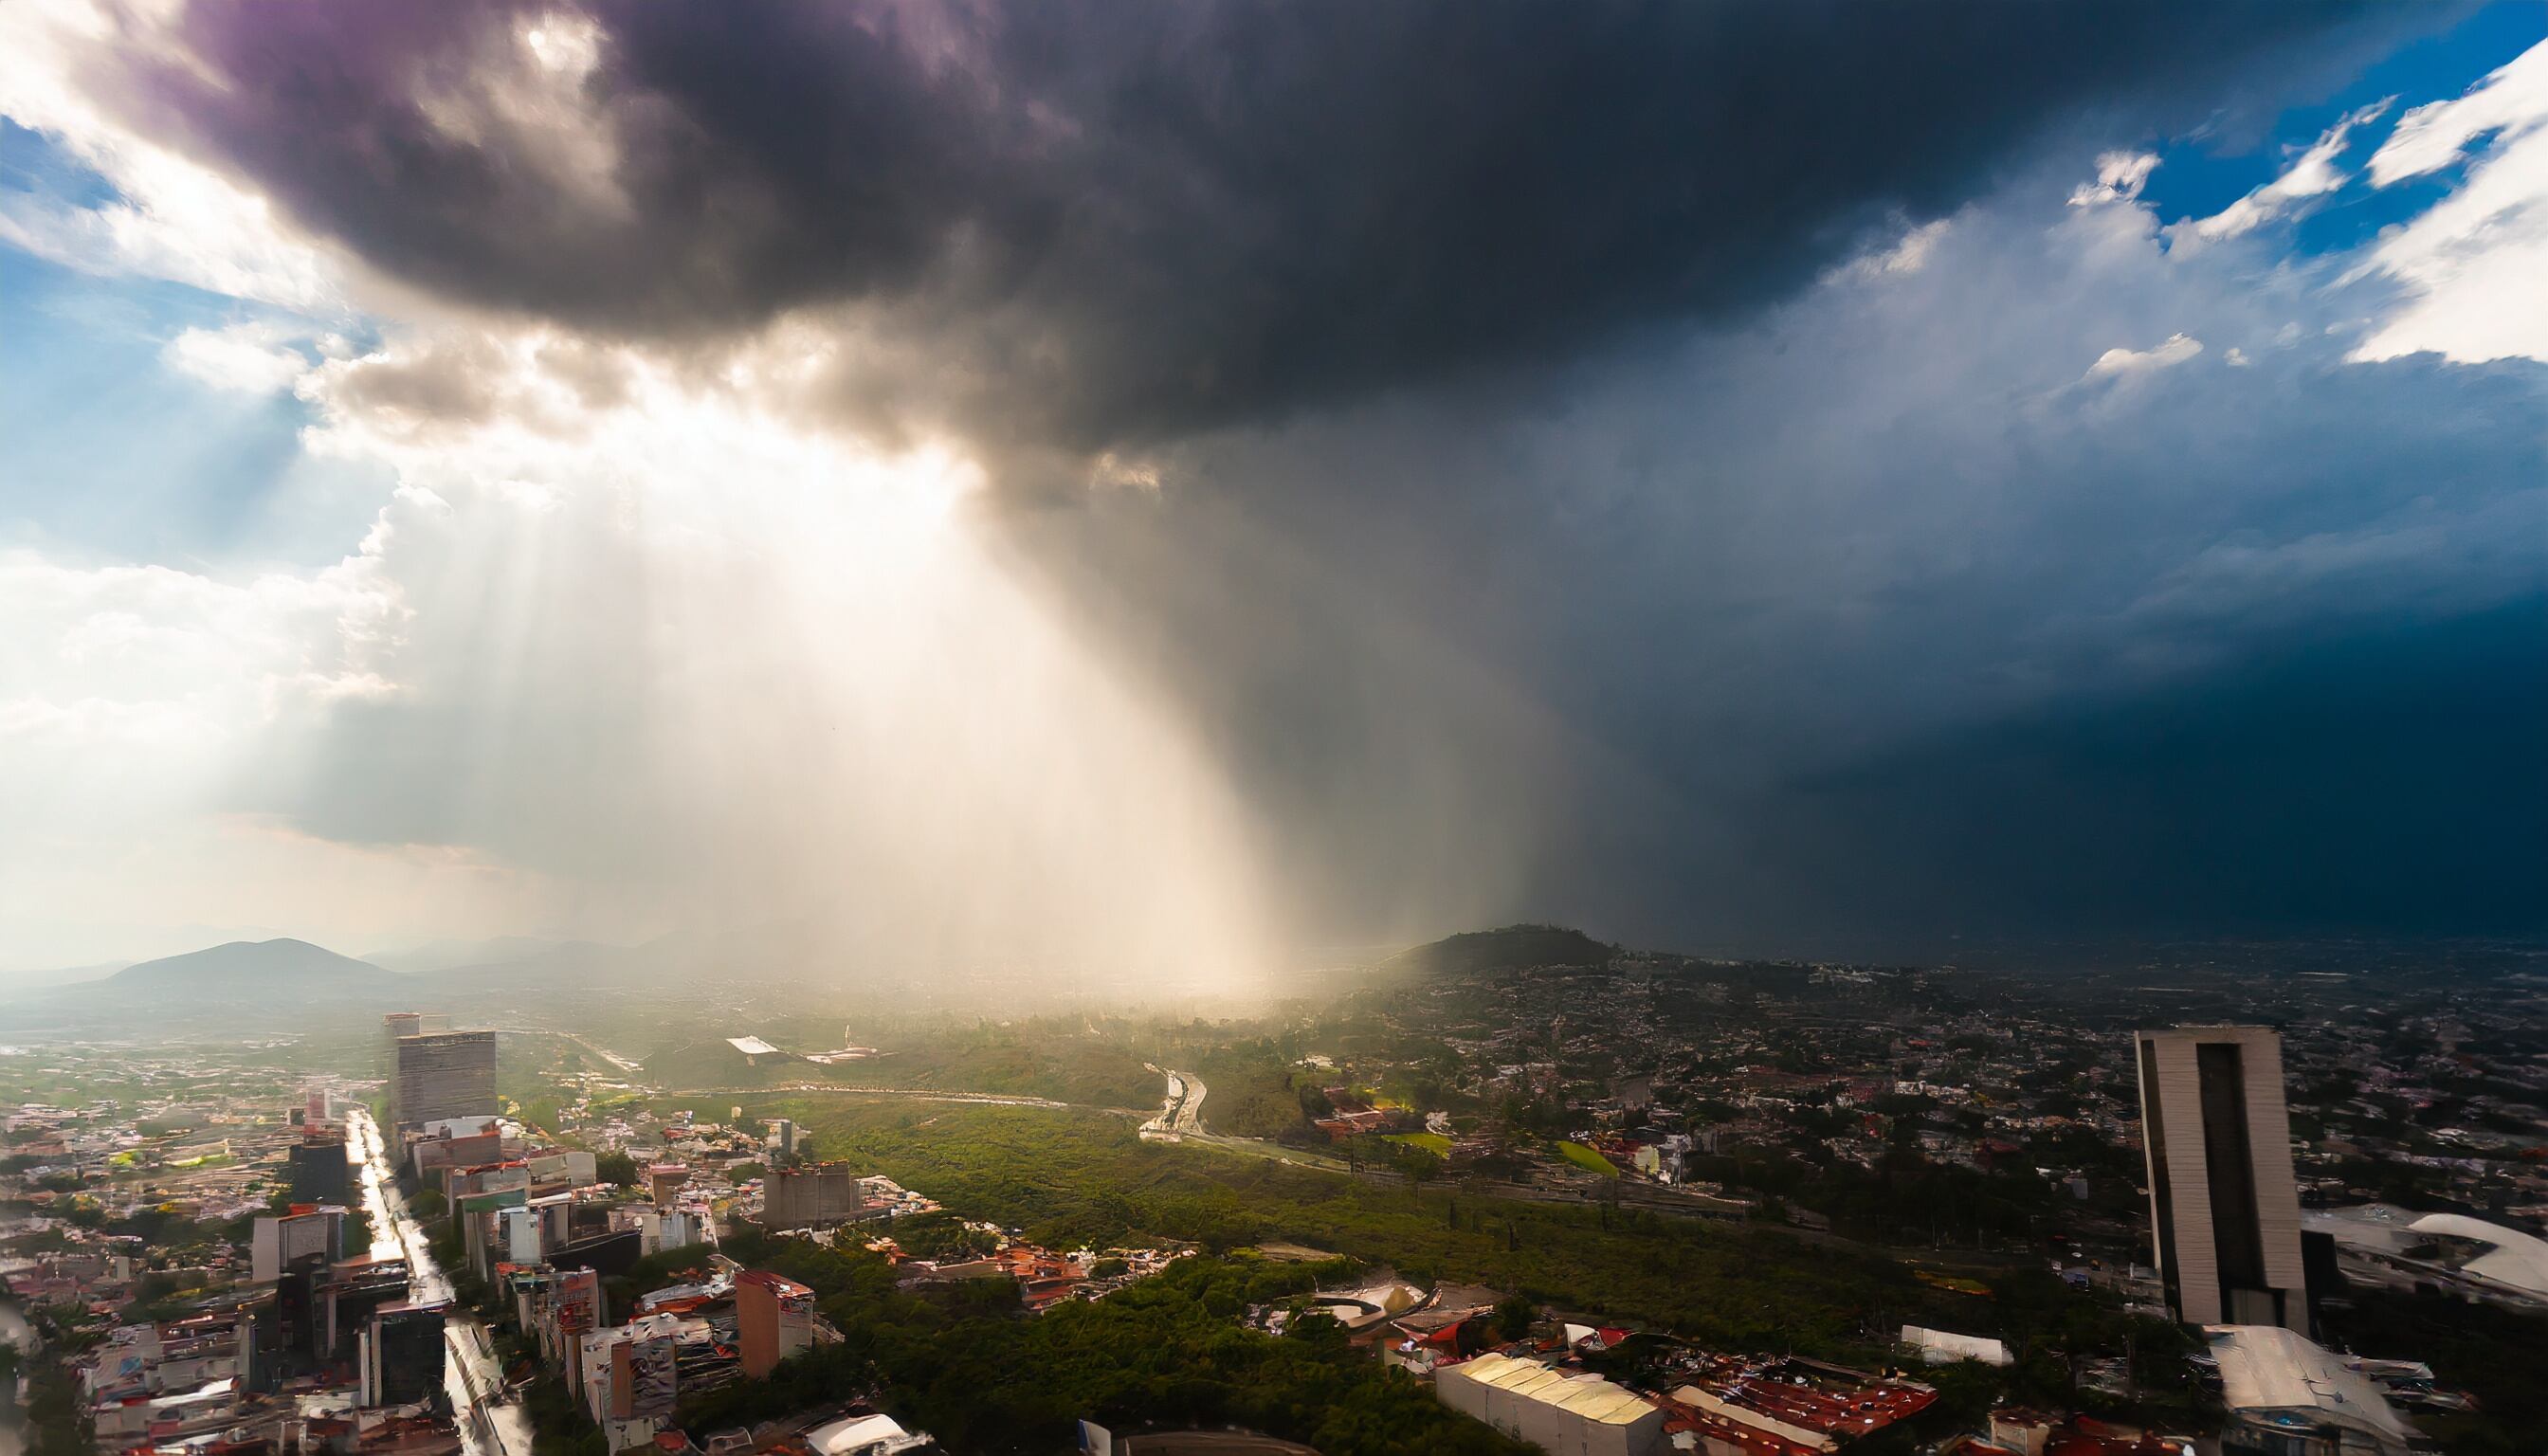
<point>319,1343</point>
<point>516,1202</point>
<point>1350,1115</point>
<point>731,1323</point>
<point>723,1325</point>
<point>1043,1277</point>
<point>2413,1076</point>
<point>1539,1385</point>
<point>538,1227</point>
<point>678,1343</point>
<point>249,1301</point>
<point>2234,1256</point>
<point>542,1232</point>
<point>208,1151</point>
<point>1723,1404</point>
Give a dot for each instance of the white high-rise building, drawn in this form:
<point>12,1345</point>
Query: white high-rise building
<point>2224,1206</point>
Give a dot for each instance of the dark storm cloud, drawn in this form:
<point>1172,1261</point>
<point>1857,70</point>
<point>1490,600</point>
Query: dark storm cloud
<point>1091,225</point>
<point>2383,780</point>
<point>1873,621</point>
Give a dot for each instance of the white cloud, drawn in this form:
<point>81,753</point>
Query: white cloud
<point>183,660</point>
<point>2512,100</point>
<point>1910,254</point>
<point>2124,363</point>
<point>671,657</point>
<point>2314,174</point>
<point>255,358</point>
<point>2121,175</point>
<point>2474,266</point>
<point>135,701</point>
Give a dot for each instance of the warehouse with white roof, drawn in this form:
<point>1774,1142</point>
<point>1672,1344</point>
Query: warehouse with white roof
<point>1564,1415</point>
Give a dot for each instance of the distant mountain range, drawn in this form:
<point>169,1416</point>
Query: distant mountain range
<point>21,982</point>
<point>269,968</point>
<point>297,969</point>
<point>255,977</point>
<point>245,984</point>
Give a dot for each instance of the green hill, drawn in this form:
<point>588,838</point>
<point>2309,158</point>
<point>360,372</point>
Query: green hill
<point>279,968</point>
<point>1513,948</point>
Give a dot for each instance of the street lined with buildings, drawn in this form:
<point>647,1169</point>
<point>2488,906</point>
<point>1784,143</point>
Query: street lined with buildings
<point>474,1381</point>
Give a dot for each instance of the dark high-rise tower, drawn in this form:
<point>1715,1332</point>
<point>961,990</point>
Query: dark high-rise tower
<point>318,1171</point>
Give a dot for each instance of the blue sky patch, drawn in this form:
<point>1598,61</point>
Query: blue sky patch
<point>2197,179</point>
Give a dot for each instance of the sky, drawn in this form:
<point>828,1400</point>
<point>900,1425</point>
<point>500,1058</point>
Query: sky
<point>1094,488</point>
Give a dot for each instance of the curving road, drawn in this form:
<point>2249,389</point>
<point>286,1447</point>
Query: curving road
<point>1181,1115</point>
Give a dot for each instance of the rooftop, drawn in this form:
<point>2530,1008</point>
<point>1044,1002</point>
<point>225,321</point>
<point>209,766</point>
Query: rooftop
<point>2267,1368</point>
<point>1588,1396</point>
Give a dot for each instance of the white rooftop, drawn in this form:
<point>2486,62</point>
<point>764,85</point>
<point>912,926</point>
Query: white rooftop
<point>752,1045</point>
<point>2518,1259</point>
<point>1590,1396</point>
<point>856,1435</point>
<point>2267,1368</point>
<point>1945,1347</point>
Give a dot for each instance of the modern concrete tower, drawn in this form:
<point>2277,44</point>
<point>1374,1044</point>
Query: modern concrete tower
<point>2224,1201</point>
<point>443,1074</point>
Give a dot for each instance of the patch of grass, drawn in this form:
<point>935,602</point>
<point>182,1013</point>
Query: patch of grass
<point>1586,1159</point>
<point>1432,1142</point>
<point>1249,1092</point>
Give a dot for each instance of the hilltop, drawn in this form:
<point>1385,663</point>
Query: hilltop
<point>257,968</point>
<point>1512,947</point>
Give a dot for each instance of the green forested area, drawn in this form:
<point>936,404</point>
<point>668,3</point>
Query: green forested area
<point>1064,1060</point>
<point>1070,1178</point>
<point>1168,1352</point>
<point>1052,1057</point>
